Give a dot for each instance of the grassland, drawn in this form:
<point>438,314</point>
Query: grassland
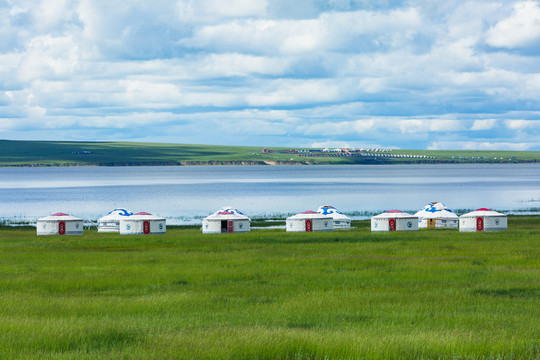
<point>51,153</point>
<point>272,295</point>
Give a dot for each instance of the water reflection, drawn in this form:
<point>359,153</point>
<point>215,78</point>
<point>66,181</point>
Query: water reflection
<point>185,194</point>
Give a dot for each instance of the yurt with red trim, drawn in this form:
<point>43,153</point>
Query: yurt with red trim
<point>437,215</point>
<point>394,220</point>
<point>226,220</point>
<point>483,220</point>
<point>143,223</point>
<point>59,224</point>
<point>309,221</point>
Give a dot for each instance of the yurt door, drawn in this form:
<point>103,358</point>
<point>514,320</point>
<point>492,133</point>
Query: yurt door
<point>146,227</point>
<point>430,223</point>
<point>309,225</point>
<point>391,224</point>
<point>479,224</point>
<point>230,226</point>
<point>62,228</point>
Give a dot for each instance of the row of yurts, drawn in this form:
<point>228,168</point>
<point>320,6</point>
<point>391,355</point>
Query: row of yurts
<point>327,218</point>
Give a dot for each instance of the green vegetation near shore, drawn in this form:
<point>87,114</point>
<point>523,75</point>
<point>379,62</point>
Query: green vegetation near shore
<point>53,153</point>
<point>268,294</point>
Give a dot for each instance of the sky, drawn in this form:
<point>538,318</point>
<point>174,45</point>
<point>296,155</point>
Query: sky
<point>417,74</point>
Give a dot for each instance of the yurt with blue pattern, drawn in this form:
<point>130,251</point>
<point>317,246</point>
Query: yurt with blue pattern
<point>341,221</point>
<point>437,215</point>
<point>110,223</point>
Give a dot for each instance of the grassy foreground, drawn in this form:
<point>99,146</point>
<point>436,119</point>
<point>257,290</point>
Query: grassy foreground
<point>272,295</point>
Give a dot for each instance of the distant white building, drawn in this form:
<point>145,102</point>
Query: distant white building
<point>309,221</point>
<point>483,220</point>
<point>437,215</point>
<point>226,220</point>
<point>394,220</point>
<point>143,223</point>
<point>59,224</point>
<point>341,221</point>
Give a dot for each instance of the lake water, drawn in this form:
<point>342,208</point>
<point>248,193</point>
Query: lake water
<point>186,194</point>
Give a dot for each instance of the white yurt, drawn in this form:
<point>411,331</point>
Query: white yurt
<point>226,220</point>
<point>59,224</point>
<point>309,221</point>
<point>394,220</point>
<point>437,215</point>
<point>111,221</point>
<point>341,221</point>
<point>142,223</point>
<point>483,220</point>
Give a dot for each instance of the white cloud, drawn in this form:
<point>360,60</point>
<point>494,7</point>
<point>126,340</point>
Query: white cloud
<point>520,29</point>
<point>48,57</point>
<point>485,145</point>
<point>305,71</point>
<point>486,124</point>
<point>522,124</point>
<point>338,128</point>
<point>427,126</point>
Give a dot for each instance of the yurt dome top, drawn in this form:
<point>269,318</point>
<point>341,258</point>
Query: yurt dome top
<point>118,213</point>
<point>394,214</point>
<point>60,217</point>
<point>309,215</point>
<point>227,213</point>
<point>482,212</point>
<point>333,212</point>
<point>435,210</point>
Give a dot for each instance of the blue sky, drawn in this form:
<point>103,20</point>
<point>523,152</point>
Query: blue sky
<point>418,74</point>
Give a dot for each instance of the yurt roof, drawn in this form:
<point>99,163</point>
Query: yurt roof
<point>309,215</point>
<point>59,217</point>
<point>143,216</point>
<point>394,214</point>
<point>436,210</point>
<point>116,214</point>
<point>333,212</point>
<point>227,214</point>
<point>482,212</point>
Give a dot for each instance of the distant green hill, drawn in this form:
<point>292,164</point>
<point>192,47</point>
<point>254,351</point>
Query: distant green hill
<point>56,153</point>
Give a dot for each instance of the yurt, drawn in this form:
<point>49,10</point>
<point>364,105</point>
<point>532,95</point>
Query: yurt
<point>142,223</point>
<point>437,215</point>
<point>483,220</point>
<point>309,221</point>
<point>341,221</point>
<point>226,220</point>
<point>111,221</point>
<point>59,224</point>
<point>394,220</point>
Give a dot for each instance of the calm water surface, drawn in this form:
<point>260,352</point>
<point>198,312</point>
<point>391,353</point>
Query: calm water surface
<point>185,194</point>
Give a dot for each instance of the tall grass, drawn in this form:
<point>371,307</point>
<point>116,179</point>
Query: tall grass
<point>272,295</point>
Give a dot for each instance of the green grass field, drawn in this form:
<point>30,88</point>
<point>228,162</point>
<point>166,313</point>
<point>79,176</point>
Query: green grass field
<point>54,153</point>
<point>268,294</point>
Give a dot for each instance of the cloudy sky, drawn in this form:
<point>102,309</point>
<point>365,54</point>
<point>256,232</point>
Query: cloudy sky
<point>417,74</point>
